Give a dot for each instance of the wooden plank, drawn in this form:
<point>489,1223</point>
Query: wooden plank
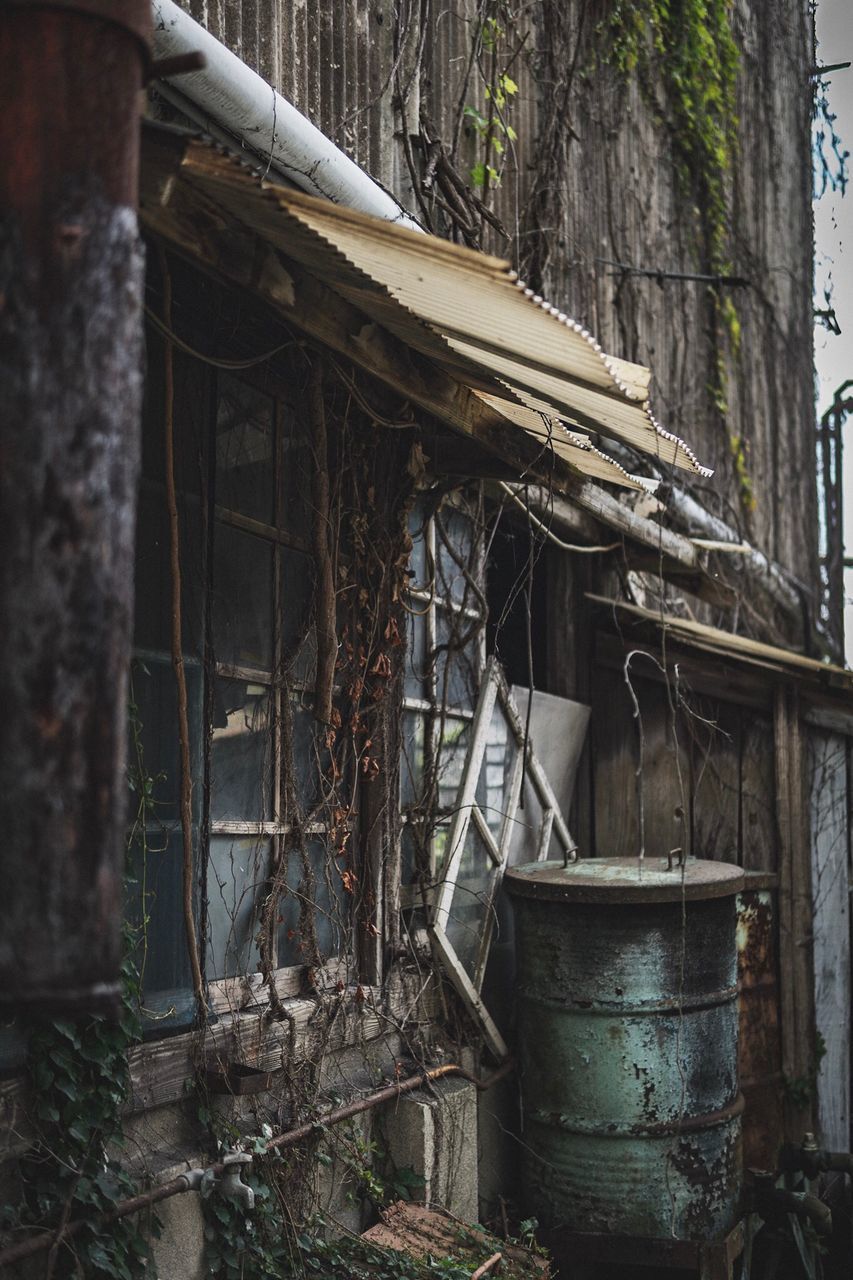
<point>759,833</point>
<point>795,954</point>
<point>612,746</point>
<point>829,808</point>
<point>160,1071</point>
<point>616,515</point>
<point>665,776</point>
<point>713,729</point>
<point>709,675</point>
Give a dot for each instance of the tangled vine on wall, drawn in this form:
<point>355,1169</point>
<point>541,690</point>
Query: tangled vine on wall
<point>686,59</point>
<point>72,1173</point>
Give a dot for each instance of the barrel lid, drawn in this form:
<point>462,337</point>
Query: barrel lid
<point>615,880</point>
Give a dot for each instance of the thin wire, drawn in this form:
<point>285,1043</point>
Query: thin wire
<point>552,537</point>
<point>366,407</point>
<point>166,332</point>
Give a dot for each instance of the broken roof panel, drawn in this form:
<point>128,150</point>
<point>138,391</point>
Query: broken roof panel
<point>724,644</point>
<point>466,310</point>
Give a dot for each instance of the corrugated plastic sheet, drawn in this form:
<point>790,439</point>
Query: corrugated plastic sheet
<point>465,310</point>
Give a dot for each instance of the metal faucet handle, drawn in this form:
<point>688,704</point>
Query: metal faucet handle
<point>230,1185</point>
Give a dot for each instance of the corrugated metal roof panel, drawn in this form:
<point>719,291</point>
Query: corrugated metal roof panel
<point>465,309</point>
<point>215,179</point>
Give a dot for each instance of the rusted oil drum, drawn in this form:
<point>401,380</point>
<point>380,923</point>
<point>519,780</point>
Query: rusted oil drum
<point>628,1043</point>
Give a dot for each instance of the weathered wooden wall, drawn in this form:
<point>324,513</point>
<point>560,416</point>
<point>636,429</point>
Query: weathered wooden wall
<point>365,70</point>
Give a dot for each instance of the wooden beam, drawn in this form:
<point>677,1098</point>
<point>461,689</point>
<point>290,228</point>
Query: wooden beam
<point>796,979</point>
<point>601,504</point>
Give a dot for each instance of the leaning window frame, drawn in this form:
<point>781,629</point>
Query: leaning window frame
<point>494,694</point>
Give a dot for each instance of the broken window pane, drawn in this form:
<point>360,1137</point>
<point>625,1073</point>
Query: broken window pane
<point>236,881</point>
<point>471,900</point>
<point>241,752</point>
<point>242,599</point>
<point>155,913</point>
<point>317,880</point>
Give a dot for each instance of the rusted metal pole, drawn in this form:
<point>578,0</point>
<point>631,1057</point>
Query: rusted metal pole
<point>71,276</point>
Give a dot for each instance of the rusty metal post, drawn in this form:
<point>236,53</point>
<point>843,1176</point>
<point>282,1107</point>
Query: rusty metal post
<point>71,278</point>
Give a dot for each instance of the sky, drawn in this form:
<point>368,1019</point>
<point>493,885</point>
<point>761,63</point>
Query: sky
<point>834,257</point>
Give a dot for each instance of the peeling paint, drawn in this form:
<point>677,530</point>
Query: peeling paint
<point>628,1033</point>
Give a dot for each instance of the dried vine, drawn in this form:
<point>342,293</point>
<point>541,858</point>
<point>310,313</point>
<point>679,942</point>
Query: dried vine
<point>186,783</point>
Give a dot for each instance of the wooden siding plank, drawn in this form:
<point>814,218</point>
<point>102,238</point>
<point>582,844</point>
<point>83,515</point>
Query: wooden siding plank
<point>829,807</point>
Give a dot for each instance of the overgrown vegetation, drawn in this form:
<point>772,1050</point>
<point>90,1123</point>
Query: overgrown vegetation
<point>687,50</point>
<point>494,58</point>
<point>77,1071</point>
<point>684,55</point>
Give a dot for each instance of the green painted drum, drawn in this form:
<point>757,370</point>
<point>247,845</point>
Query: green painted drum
<point>627,1034</point>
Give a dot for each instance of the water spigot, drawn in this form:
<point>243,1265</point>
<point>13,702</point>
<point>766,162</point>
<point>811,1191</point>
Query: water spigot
<point>230,1185</point>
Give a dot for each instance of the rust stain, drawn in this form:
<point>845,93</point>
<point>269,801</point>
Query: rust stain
<point>760,1048</point>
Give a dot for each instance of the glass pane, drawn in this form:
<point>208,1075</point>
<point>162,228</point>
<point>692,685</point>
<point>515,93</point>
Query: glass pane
<point>470,901</point>
<point>236,882</point>
<point>451,761</point>
<point>315,881</point>
<point>298,638</point>
<point>416,671</point>
<point>245,450</point>
<point>457,661</point>
<point>241,752</point>
<point>440,838</point>
<point>298,469</point>
<point>153,577</point>
<point>410,854</point>
<point>458,529</point>
<point>155,913</point>
<point>242,599</point>
<point>153,753</point>
<point>312,760</point>
<point>418,556</point>
<point>191,416</point>
<point>493,784</point>
<point>412,762</point>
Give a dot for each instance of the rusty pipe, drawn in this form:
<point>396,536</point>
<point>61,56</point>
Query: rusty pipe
<point>772,1203</point>
<point>183,1182</point>
<point>812,1160</point>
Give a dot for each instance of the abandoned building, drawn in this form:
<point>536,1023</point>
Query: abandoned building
<point>479,528</point>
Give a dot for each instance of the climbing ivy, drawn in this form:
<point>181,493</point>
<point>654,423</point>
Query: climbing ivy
<point>492,126</point>
<point>77,1071</point>
<point>248,1245</point>
<point>688,48</point>
<point>684,55</point>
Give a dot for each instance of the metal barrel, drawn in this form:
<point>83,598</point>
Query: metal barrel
<point>628,1041</point>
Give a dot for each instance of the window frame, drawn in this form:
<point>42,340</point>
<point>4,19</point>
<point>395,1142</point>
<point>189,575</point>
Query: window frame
<point>494,692</point>
<point>209,510</point>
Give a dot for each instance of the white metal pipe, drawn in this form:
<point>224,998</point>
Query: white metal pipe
<point>240,103</point>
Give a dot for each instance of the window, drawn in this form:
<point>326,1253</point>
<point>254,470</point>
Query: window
<point>273,795</point>
<point>446,630</point>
